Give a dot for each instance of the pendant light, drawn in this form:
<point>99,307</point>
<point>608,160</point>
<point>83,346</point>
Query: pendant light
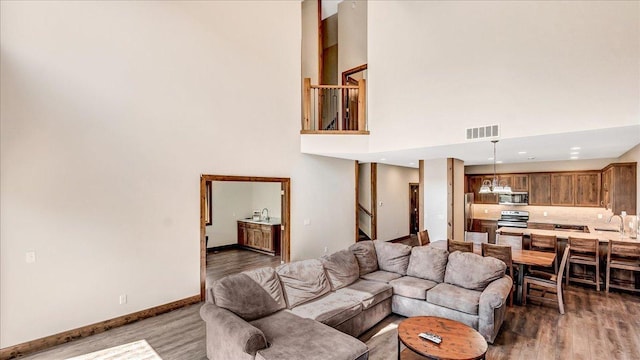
<point>494,186</point>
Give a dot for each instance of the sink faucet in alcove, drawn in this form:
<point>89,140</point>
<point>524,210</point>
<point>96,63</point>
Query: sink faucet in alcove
<point>262,214</point>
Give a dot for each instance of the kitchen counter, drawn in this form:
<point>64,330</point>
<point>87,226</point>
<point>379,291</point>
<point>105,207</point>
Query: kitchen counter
<point>602,236</point>
<point>271,221</point>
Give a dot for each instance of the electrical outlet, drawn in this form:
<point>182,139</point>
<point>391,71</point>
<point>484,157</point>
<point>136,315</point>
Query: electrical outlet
<point>544,213</point>
<point>123,299</point>
<point>486,211</point>
<point>307,221</point>
<point>599,216</point>
<point>326,249</point>
<point>30,257</point>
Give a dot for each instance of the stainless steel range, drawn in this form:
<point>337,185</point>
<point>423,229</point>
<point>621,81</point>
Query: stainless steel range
<point>513,218</point>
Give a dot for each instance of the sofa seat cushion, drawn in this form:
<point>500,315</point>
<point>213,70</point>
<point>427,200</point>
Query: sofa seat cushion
<point>341,267</point>
<point>381,276</point>
<point>392,257</point>
<point>291,337</point>
<point>365,253</point>
<point>428,262</point>
<point>250,294</point>
<point>303,281</point>
<point>455,297</point>
<point>331,309</point>
<point>412,287</point>
<point>368,293</point>
<point>472,271</point>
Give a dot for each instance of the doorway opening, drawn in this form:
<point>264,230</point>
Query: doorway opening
<point>263,232</point>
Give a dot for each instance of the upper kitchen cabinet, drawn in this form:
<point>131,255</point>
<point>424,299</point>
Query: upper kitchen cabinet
<point>520,183</point>
<point>619,187</point>
<point>474,183</point>
<point>540,189</point>
<point>562,189</point>
<point>587,189</point>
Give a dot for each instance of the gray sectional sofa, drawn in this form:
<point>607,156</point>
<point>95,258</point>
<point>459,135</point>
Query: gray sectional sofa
<point>315,309</point>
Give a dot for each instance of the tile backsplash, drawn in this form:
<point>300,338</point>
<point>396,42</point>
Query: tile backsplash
<point>560,214</point>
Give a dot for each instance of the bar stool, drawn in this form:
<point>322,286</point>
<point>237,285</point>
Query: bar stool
<point>622,255</point>
<point>545,243</point>
<point>584,252</point>
<point>501,252</point>
<point>513,240</point>
<point>476,237</point>
<point>453,245</point>
<point>423,237</point>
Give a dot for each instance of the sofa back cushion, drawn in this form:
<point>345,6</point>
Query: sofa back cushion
<point>251,294</point>
<point>365,253</point>
<point>392,257</point>
<point>428,262</point>
<point>303,281</point>
<point>472,271</point>
<point>342,268</point>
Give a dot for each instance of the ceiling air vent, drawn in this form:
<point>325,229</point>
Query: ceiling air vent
<point>483,132</point>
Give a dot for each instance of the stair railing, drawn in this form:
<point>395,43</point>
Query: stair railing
<point>334,108</point>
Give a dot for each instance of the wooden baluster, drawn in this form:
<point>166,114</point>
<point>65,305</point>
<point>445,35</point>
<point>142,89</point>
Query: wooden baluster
<point>362,102</point>
<point>307,104</point>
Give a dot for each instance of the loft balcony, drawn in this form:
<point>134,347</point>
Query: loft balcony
<point>334,109</point>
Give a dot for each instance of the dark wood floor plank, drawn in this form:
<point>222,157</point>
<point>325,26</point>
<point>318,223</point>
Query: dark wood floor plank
<point>528,332</point>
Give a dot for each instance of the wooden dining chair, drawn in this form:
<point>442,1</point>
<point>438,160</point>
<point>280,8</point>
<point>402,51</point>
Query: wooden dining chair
<point>584,252</point>
<point>453,245</point>
<point>501,252</point>
<point>515,241</point>
<point>546,284</point>
<point>622,255</point>
<point>423,237</point>
<point>476,237</point>
<point>545,243</point>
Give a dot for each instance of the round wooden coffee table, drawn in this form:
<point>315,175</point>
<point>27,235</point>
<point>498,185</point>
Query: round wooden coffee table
<point>459,341</point>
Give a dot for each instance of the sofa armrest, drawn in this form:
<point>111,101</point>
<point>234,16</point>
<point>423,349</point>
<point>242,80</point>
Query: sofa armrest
<point>496,293</point>
<point>492,309</point>
<point>229,336</point>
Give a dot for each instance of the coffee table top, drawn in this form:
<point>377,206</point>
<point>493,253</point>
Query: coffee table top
<point>459,341</point>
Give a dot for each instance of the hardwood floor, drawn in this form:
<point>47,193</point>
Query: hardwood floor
<point>596,325</point>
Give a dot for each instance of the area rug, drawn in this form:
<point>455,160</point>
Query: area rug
<point>138,350</point>
<point>384,344</point>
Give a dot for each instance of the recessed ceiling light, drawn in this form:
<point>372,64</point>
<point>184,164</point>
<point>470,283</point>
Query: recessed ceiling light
<point>412,163</point>
<point>531,158</point>
<point>574,153</point>
<point>521,152</point>
<point>499,162</point>
<point>575,148</point>
<point>574,158</point>
<point>490,159</point>
<point>383,159</point>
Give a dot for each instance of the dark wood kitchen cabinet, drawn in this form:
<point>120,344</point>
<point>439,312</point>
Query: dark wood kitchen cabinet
<point>520,183</point>
<point>587,186</point>
<point>486,226</point>
<point>619,188</point>
<point>562,189</point>
<point>474,183</point>
<point>539,189</point>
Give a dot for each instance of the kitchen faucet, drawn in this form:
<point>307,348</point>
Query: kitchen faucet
<point>262,214</point>
<point>621,222</point>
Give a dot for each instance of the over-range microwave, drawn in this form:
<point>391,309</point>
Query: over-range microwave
<point>515,198</point>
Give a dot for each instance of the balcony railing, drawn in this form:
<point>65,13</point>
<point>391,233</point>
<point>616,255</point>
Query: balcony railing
<point>334,109</point>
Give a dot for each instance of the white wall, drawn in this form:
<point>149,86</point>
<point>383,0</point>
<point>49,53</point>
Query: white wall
<point>535,67</point>
<point>435,198</point>
<point>266,195</point>
<point>110,112</point>
<point>393,193</point>
<point>352,35</point>
<point>310,41</point>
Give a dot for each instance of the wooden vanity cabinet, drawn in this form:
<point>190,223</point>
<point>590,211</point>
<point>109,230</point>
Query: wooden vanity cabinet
<point>262,237</point>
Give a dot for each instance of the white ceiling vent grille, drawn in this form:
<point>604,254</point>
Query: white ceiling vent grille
<point>483,132</point>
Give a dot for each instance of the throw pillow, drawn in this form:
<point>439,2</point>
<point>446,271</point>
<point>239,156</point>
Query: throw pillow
<point>342,268</point>
<point>303,281</point>
<point>428,262</point>
<point>472,271</point>
<point>365,253</point>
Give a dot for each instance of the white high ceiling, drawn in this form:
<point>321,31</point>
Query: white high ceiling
<point>593,144</point>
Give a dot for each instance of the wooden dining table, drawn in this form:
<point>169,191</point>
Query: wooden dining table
<point>520,257</point>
